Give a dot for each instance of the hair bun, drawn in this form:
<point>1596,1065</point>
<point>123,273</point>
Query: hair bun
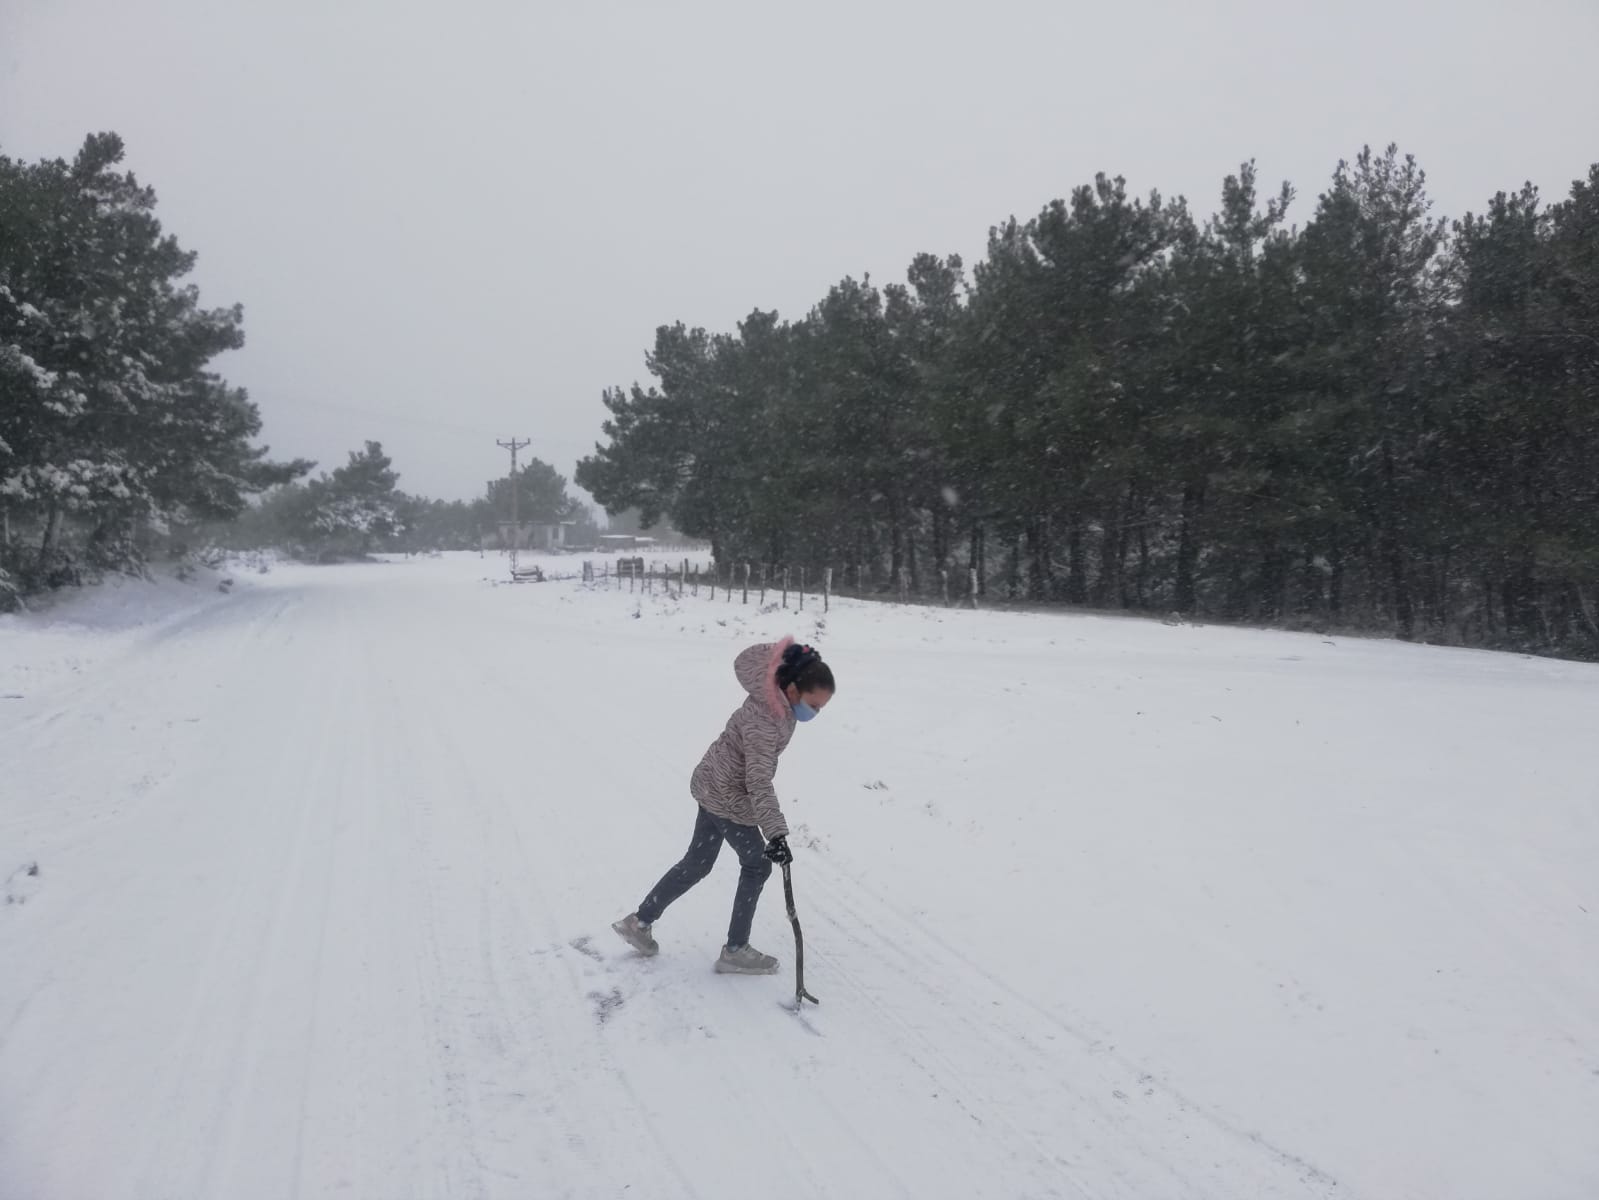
<point>795,659</point>
<point>800,656</point>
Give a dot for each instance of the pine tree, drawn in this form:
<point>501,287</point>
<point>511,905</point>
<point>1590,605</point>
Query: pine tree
<point>112,422</point>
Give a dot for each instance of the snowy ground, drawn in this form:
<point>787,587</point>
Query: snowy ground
<point>1095,908</point>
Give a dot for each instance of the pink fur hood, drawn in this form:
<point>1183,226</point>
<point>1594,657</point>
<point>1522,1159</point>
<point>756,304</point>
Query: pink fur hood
<point>756,669</point>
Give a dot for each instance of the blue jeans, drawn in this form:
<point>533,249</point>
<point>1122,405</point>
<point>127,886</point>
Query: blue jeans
<point>710,832</point>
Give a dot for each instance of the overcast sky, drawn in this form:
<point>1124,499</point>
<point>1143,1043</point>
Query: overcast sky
<point>455,222</point>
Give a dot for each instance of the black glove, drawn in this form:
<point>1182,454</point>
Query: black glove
<point>777,850</point>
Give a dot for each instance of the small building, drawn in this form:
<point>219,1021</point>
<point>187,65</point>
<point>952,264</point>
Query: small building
<point>610,543</point>
<point>548,537</point>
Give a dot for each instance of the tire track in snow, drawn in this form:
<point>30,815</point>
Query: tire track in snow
<point>454,1013</point>
<point>105,686</point>
<point>122,689</point>
<point>209,1082</point>
<point>307,877</point>
<point>1005,1041</point>
<point>516,916</point>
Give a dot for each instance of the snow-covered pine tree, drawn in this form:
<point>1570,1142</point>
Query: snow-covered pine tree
<point>111,423</point>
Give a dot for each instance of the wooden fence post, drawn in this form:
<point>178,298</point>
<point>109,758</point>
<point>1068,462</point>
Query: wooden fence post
<point>827,589</point>
<point>802,590</point>
<point>746,583</point>
<point>785,587</point>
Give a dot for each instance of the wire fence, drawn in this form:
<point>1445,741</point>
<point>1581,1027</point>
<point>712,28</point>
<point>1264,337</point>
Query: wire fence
<point>764,583</point>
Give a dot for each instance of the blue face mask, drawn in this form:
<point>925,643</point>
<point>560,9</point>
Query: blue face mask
<point>802,711</point>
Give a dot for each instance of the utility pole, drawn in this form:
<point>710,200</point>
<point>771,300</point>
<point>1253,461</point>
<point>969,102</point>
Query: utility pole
<point>516,526</point>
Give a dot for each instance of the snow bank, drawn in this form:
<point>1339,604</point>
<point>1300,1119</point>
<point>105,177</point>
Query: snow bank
<point>72,631</point>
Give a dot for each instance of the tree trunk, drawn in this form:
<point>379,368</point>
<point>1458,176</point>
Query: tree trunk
<point>1442,611</point>
<point>1183,595</point>
<point>1393,553</point>
<point>910,560</point>
<point>1076,564</point>
<point>896,543</point>
<point>1313,591</point>
<point>1142,593</point>
<point>52,535</point>
<point>1517,598</point>
<point>1335,582</point>
<point>1404,609</point>
<point>1273,591</point>
<point>979,557</point>
<point>1112,538</point>
<point>1038,571</point>
<point>1585,607</point>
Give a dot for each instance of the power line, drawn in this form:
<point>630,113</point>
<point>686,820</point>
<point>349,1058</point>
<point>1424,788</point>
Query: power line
<point>565,445</point>
<point>334,406</point>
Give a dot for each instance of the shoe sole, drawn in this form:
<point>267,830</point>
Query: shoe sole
<point>646,951</point>
<point>726,969</point>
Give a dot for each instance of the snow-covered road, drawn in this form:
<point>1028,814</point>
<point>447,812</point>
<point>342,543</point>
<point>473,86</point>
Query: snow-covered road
<point>1095,908</point>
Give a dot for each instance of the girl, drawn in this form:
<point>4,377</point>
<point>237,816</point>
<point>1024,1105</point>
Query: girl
<point>733,787</point>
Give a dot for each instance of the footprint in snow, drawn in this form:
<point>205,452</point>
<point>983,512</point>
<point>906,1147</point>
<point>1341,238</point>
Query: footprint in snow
<point>605,1004</point>
<point>22,884</point>
<point>585,946</point>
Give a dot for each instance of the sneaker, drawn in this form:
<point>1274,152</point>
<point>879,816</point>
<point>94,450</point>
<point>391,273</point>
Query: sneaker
<point>636,934</point>
<point>746,960</point>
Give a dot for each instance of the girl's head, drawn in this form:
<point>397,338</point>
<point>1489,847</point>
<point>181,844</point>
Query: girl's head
<point>806,681</point>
